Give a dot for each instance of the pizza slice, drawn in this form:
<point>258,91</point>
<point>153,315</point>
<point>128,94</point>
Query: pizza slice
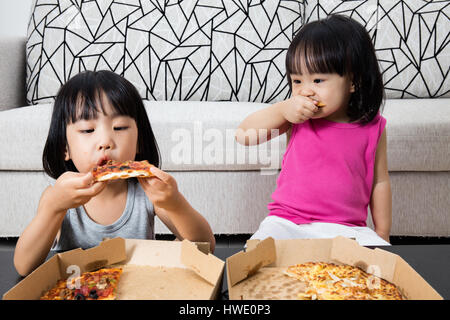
<point>122,170</point>
<point>97,285</point>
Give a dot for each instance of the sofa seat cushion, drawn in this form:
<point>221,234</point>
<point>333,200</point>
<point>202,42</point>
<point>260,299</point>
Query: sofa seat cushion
<point>195,136</point>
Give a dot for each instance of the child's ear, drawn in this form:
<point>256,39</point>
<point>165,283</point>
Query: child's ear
<point>66,154</point>
<point>352,84</point>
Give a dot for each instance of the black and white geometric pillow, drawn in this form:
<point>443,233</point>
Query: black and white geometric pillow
<point>411,39</point>
<point>169,49</point>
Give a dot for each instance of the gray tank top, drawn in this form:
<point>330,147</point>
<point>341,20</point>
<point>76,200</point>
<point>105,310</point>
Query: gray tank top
<point>136,222</point>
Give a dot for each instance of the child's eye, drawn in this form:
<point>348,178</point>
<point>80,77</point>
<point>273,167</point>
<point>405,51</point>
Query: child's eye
<point>87,131</point>
<point>296,81</point>
<point>318,80</point>
<point>120,128</point>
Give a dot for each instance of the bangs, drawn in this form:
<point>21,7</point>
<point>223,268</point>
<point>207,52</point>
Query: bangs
<point>86,97</point>
<point>85,106</point>
<point>315,49</point>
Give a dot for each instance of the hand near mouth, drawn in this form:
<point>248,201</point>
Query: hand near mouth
<point>298,109</point>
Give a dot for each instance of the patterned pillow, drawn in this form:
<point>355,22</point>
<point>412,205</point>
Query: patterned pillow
<point>170,50</point>
<point>410,37</point>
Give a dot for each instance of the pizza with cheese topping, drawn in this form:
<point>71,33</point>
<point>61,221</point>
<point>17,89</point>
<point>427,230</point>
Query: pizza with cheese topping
<point>96,285</point>
<point>328,281</point>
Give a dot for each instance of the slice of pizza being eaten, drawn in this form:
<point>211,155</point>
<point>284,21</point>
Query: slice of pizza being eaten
<point>122,170</point>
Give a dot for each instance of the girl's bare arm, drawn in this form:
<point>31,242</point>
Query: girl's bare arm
<point>174,210</point>
<point>381,200</point>
<point>35,242</point>
<point>274,120</point>
<point>70,190</point>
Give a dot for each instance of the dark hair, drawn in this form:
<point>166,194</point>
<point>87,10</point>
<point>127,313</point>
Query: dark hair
<point>78,98</point>
<point>339,44</point>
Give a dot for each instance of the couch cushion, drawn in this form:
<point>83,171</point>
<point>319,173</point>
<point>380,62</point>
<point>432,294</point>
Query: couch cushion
<point>410,39</point>
<point>200,136</point>
<point>170,50</point>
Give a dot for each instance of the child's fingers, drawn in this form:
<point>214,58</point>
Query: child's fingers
<point>148,185</point>
<point>84,181</point>
<point>95,188</point>
<point>75,180</point>
<point>303,114</point>
<point>310,105</point>
<point>152,184</point>
<point>163,176</point>
<point>145,183</point>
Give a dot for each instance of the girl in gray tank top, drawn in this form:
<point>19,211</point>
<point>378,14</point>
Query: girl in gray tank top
<point>100,116</point>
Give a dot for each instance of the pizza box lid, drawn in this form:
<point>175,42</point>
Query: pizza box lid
<point>269,258</point>
<point>184,254</point>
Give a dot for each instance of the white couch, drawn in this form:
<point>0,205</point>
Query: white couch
<point>226,182</point>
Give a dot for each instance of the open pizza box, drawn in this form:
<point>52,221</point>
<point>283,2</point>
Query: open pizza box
<point>152,269</point>
<point>257,273</point>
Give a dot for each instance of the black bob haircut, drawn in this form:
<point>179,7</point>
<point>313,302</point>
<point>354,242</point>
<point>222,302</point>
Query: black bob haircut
<point>80,98</point>
<point>339,44</point>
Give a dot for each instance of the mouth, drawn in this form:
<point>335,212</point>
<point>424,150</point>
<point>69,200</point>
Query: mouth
<point>102,161</point>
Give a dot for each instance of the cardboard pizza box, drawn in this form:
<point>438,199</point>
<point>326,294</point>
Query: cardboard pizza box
<point>152,269</point>
<point>257,273</point>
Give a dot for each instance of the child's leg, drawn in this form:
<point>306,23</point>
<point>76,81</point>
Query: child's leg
<point>277,228</point>
<point>363,235</point>
<point>368,237</point>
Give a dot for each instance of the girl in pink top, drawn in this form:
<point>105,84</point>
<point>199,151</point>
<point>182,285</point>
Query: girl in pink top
<point>335,164</point>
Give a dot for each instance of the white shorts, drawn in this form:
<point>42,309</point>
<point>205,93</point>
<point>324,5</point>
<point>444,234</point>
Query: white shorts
<point>279,228</point>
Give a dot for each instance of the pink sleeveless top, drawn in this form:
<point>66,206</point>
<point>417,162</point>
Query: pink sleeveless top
<point>327,172</point>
